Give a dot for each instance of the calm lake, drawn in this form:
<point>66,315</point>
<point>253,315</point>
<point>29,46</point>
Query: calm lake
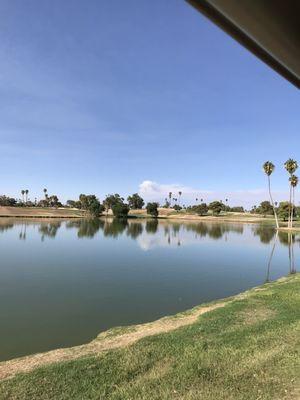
<point>63,282</point>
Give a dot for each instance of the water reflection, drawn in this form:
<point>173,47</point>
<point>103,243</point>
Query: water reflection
<point>90,275</point>
<point>265,235</point>
<point>48,229</point>
<point>86,228</point>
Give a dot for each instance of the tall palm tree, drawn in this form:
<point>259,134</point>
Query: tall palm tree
<point>26,195</point>
<point>45,192</point>
<point>291,166</point>
<point>293,182</point>
<point>22,193</point>
<point>170,197</point>
<point>268,168</point>
<point>179,195</point>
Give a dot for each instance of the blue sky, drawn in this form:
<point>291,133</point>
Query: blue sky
<point>114,96</point>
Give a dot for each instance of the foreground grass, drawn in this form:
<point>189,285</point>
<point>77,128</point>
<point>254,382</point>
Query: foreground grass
<point>248,349</point>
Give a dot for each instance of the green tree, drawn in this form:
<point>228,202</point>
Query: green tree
<point>265,208</point>
<point>135,201</point>
<point>284,210</point>
<point>111,200</point>
<point>152,209</point>
<point>216,207</point>
<point>291,166</point>
<point>91,204</point>
<point>268,168</point>
<point>7,201</point>
<point>201,209</point>
<point>22,193</point>
<point>120,210</point>
<point>95,208</point>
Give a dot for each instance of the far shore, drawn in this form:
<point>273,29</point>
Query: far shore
<point>164,213</point>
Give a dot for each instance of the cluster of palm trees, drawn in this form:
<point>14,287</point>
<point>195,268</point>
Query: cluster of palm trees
<point>291,167</point>
<point>174,199</point>
<point>24,193</point>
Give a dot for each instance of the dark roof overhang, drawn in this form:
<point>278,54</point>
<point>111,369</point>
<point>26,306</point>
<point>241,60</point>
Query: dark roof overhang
<point>270,29</point>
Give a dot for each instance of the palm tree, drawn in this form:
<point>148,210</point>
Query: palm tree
<point>179,194</point>
<point>45,192</point>
<point>268,168</point>
<point>26,193</point>
<point>293,182</point>
<point>170,197</point>
<point>22,193</point>
<point>291,166</point>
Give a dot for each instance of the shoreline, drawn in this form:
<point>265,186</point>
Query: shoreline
<point>165,214</point>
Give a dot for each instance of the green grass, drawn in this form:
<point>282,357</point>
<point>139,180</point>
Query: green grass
<point>247,350</point>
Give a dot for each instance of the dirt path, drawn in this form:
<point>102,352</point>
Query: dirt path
<point>111,339</point>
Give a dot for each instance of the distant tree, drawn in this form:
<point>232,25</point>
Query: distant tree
<point>43,203</point>
<point>170,198</point>
<point>239,209</point>
<point>91,204</point>
<point>177,207</point>
<point>167,203</point>
<point>120,210</point>
<point>268,168</point>
<point>22,193</point>
<point>291,166</point>
<point>26,195</point>
<point>95,208</point>
<point>45,193</point>
<point>53,201</point>
<point>284,210</point>
<point>179,195</point>
<point>265,208</point>
<point>6,201</point>
<point>201,209</point>
<point>111,200</point>
<point>74,204</point>
<point>152,209</point>
<point>135,201</point>
<point>216,207</point>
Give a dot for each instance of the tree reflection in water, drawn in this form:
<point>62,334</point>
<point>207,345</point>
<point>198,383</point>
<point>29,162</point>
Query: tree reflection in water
<point>134,229</point>
<point>49,229</point>
<point>151,226</point>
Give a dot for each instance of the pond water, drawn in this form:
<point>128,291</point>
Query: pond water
<point>63,282</point>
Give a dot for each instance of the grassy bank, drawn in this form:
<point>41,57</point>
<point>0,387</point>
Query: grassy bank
<point>246,348</point>
<point>39,212</point>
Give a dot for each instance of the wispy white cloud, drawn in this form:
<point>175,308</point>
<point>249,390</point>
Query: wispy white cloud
<point>154,191</point>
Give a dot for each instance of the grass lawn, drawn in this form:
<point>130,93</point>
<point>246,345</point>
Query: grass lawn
<point>248,349</point>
